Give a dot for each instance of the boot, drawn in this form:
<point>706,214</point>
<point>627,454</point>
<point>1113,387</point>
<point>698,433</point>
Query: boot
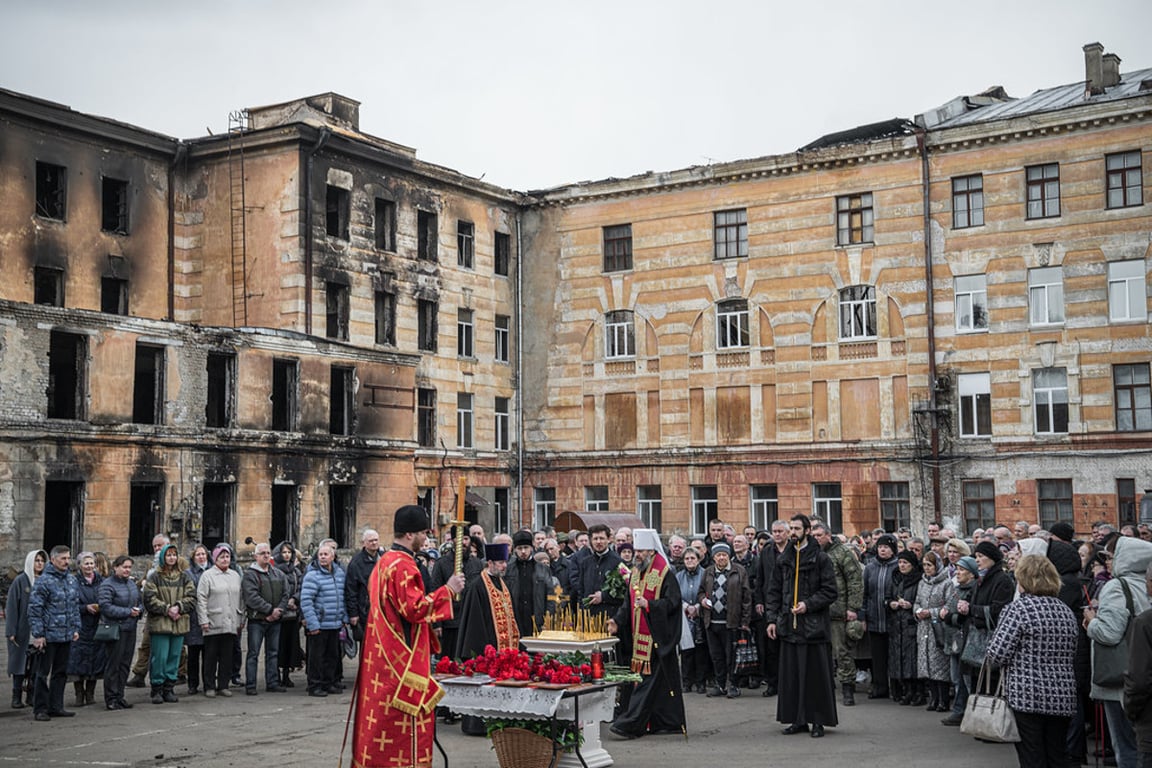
<point>17,691</point>
<point>167,694</point>
<point>136,681</point>
<point>287,681</point>
<point>849,691</point>
<point>933,696</point>
<point>917,694</point>
<point>78,688</point>
<point>157,695</point>
<point>945,704</point>
<point>90,691</point>
<point>897,688</point>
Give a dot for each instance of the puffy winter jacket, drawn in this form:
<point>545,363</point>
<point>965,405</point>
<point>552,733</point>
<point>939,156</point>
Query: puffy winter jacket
<point>54,608</point>
<point>322,598</point>
<point>218,602</point>
<point>162,589</point>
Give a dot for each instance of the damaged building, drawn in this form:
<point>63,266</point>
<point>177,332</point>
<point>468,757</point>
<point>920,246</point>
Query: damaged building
<point>290,329</point>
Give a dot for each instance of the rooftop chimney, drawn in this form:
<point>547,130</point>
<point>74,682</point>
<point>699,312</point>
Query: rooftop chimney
<point>1093,69</point>
<point>1111,70</point>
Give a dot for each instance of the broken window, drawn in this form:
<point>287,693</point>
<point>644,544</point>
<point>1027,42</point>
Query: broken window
<point>854,219</point>
<point>113,296</point>
<point>426,418</point>
<point>385,221</point>
<point>342,514</point>
<point>342,400</point>
<point>114,206</point>
<point>145,517</point>
<point>51,190</point>
<point>426,316</point>
<point>217,514</point>
<point>503,424</point>
<point>503,255</point>
<point>285,514</point>
<point>503,324</point>
<point>220,408</point>
<point>465,244</point>
<point>463,420</point>
<point>386,315</point>
<point>427,236</point>
<point>336,212</point>
<point>285,375</point>
<point>63,514</point>
<point>464,333</point>
<point>148,385</point>
<point>48,286</point>
<point>336,310</point>
<point>67,366</point>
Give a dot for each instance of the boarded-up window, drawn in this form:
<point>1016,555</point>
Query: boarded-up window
<point>859,409</point>
<point>654,417</point>
<point>620,420</point>
<point>590,422</point>
<point>768,410</point>
<point>733,415</point>
<point>696,416</point>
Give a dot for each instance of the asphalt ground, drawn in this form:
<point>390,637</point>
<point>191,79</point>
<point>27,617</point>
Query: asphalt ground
<point>281,730</point>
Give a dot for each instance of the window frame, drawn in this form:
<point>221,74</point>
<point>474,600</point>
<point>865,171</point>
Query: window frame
<point>1137,392</point>
<point>974,406</point>
<point>705,507</point>
<point>730,234</point>
<point>619,334</point>
<point>849,318</point>
<point>596,498</point>
<point>1126,180</point>
<point>465,333</point>
<point>617,243</point>
<point>978,496</point>
<point>385,318</point>
<point>855,219</point>
<point>427,319</point>
<point>427,236</point>
<point>650,505</point>
<point>465,244</point>
<point>337,310</point>
<point>48,280</point>
<point>1044,296</point>
<point>114,289</point>
<point>502,253</point>
<point>1042,191</point>
<point>114,213</point>
<point>1048,398</point>
<point>732,324</point>
<point>1133,287</point>
<point>895,505</point>
<point>763,505</point>
<point>1053,506</point>
<point>342,409</point>
<point>972,195</point>
<point>828,505</point>
<point>465,421</point>
<point>502,325</point>
<point>501,409</point>
<point>543,506</point>
<point>148,407</point>
<point>426,417</point>
<point>51,204</point>
<point>970,303</point>
<point>337,211</point>
<point>384,224</point>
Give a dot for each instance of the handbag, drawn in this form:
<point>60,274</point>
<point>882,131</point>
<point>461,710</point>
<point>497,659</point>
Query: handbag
<point>1110,662</point>
<point>987,715</point>
<point>938,633</point>
<point>347,642</point>
<point>976,644</point>
<point>107,631</point>
<point>746,660</point>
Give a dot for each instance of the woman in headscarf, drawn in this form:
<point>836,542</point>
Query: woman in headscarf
<point>291,656</point>
<point>902,658</point>
<point>194,640</point>
<point>169,598</point>
<point>86,658</point>
<point>16,626</point>
<point>931,662</point>
<point>877,575</point>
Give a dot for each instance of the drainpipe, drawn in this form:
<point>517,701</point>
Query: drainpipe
<point>519,347</point>
<point>321,140</point>
<point>179,157</point>
<point>930,312</point>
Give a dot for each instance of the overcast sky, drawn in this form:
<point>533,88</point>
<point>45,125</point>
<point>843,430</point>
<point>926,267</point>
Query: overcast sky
<point>538,94</point>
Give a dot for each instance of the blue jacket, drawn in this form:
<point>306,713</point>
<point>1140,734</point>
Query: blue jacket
<point>322,598</point>
<point>54,609</point>
<point>117,598</point>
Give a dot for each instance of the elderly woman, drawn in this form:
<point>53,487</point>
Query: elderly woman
<point>931,661</point>
<point>1035,644</point>
<point>877,575</point>
<point>220,613</point>
<point>16,626</point>
<point>902,654</point>
<point>86,657</point>
<point>194,640</point>
<point>694,661</point>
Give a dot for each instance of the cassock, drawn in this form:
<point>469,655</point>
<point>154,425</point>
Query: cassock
<point>486,618</point>
<point>807,685</point>
<point>652,638</point>
<point>395,694</point>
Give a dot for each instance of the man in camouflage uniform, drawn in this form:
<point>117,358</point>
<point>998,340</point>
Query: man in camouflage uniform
<point>850,596</point>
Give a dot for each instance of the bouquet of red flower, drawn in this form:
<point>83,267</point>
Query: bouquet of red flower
<point>516,665</point>
<point>447,666</point>
<point>509,664</point>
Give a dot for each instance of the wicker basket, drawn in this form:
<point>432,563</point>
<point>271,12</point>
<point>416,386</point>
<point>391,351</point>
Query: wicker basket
<point>520,748</point>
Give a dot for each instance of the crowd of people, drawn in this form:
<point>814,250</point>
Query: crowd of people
<point>798,611</point>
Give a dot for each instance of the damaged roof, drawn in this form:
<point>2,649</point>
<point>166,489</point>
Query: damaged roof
<point>886,129</point>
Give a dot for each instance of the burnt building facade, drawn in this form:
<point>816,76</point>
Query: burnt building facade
<point>287,330</point>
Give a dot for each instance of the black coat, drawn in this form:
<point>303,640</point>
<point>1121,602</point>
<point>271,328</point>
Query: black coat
<point>356,576</point>
<point>994,591</point>
<point>816,588</point>
<point>590,579</point>
<point>443,570</point>
<point>529,582</point>
<point>765,564</point>
<point>902,624</point>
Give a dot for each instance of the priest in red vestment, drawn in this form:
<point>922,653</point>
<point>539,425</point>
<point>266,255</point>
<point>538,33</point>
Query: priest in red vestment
<point>395,694</point>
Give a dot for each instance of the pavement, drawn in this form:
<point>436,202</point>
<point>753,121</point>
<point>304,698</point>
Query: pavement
<point>292,729</point>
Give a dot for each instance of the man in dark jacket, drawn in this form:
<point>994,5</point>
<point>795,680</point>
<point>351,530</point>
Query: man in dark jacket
<point>265,592</point>
<point>593,567</point>
<point>54,621</point>
<point>356,577</point>
<point>725,610</point>
<point>800,593</point>
<point>770,658</point>
<point>529,581</point>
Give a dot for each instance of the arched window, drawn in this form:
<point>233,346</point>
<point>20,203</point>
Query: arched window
<point>731,324</point>
<point>857,312</point>
<point>619,334</point>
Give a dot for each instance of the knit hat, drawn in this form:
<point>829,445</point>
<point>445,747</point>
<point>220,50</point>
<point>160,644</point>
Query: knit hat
<point>887,540</point>
<point>910,556</point>
<point>1063,531</point>
<point>220,549</point>
<point>410,519</point>
<point>990,551</point>
<point>520,538</point>
<point>721,547</point>
<point>969,563</point>
<point>623,547</point>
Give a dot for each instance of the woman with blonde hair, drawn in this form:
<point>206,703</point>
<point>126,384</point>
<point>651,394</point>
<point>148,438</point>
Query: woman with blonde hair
<point>1035,645</point>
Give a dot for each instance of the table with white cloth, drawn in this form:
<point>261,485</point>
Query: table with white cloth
<point>588,704</point>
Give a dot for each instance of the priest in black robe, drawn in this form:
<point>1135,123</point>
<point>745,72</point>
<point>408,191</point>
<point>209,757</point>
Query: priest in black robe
<point>649,626</point>
<point>802,588</point>
<point>530,583</point>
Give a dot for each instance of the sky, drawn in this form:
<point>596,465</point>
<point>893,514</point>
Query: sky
<point>531,95</point>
